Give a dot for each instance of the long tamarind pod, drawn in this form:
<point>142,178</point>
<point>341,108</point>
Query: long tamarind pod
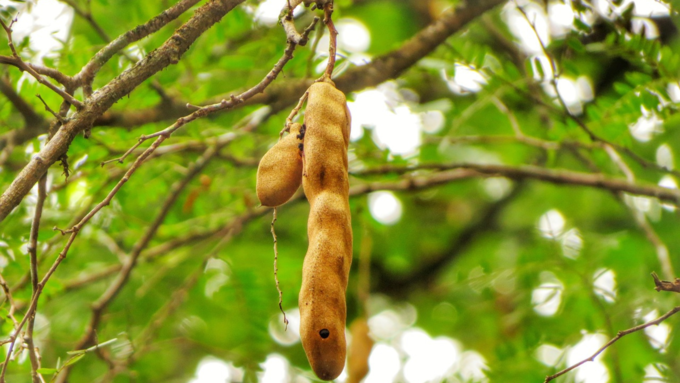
<point>280,171</point>
<point>325,271</point>
<point>328,121</point>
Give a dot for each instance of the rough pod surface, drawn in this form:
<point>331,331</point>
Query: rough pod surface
<point>326,267</point>
<point>280,171</point>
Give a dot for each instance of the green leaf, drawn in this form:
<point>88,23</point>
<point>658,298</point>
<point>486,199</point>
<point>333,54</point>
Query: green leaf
<point>622,88</point>
<point>73,360</point>
<point>581,26</point>
<point>576,44</point>
<point>538,64</point>
<point>47,371</point>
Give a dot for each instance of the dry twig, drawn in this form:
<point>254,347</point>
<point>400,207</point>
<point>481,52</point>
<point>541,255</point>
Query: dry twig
<point>660,285</point>
<point>618,336</point>
<point>276,268</point>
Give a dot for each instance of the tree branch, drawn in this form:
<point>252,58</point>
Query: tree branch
<point>89,71</point>
<point>44,71</point>
<point>169,53</point>
<point>527,172</point>
<point>381,69</point>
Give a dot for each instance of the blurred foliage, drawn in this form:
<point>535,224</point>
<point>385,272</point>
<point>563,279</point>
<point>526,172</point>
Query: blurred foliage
<point>482,294</point>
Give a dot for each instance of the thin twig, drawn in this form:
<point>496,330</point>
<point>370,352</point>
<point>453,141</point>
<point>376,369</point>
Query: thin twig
<point>45,71</point>
<point>660,285</point>
<point>659,247</point>
<point>276,268</point>
<point>47,108</point>
<point>618,336</point>
<point>33,255</point>
<point>333,40</point>
<point>293,113</point>
<point>19,63</point>
<point>511,116</point>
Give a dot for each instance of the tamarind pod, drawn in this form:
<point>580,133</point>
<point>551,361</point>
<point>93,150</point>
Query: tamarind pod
<point>326,266</point>
<point>322,296</point>
<point>327,120</point>
<point>359,351</point>
<point>279,173</point>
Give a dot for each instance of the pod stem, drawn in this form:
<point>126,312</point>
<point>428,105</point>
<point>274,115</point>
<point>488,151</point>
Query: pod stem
<point>333,40</point>
<point>293,113</point>
<point>276,270</point>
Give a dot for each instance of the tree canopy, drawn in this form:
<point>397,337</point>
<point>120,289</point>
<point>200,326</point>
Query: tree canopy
<point>512,188</point>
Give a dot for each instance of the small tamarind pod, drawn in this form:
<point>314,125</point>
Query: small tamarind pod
<point>326,266</point>
<point>359,351</point>
<point>279,173</point>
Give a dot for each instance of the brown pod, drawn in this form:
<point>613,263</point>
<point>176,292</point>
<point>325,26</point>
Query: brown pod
<point>359,351</point>
<point>280,171</point>
<point>326,267</point>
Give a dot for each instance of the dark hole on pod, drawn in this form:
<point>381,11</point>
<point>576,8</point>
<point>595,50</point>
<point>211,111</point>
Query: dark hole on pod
<point>324,333</point>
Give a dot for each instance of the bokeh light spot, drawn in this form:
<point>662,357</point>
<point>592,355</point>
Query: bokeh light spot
<point>384,207</point>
